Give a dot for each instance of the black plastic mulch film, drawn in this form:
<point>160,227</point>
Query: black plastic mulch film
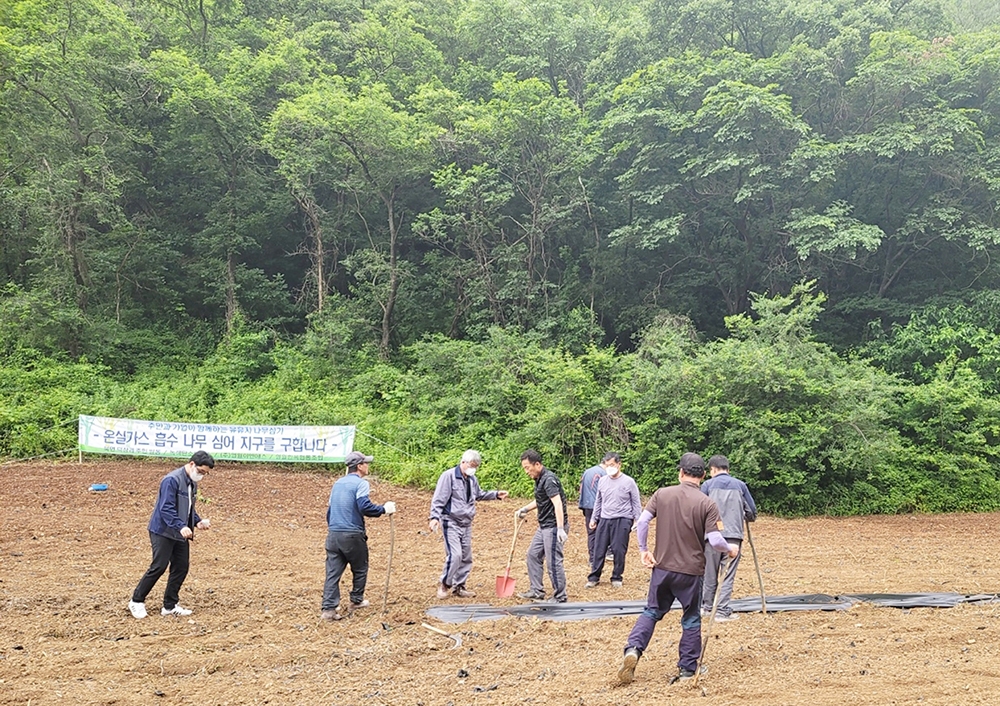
<point>775,604</point>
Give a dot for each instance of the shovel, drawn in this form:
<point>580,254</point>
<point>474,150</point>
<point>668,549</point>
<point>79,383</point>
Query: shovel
<point>505,584</point>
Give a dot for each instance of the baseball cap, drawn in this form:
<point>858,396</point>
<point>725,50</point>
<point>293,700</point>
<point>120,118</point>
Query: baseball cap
<point>356,458</point>
<point>693,465</point>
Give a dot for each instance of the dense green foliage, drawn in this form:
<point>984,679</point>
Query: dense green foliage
<point>567,225</point>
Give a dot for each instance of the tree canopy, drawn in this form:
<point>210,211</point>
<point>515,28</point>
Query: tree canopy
<point>365,187</point>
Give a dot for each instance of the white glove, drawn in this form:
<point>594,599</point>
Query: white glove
<point>390,507</point>
<point>434,524</point>
<point>520,513</point>
<point>561,535</point>
<point>204,524</point>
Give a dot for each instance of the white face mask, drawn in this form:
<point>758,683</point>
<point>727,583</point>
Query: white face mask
<point>613,471</point>
<point>196,476</point>
<point>470,470</point>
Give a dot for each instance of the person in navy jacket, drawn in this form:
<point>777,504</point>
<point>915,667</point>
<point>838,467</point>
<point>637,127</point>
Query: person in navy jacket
<point>171,528</point>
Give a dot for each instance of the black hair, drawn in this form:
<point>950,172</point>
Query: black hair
<point>531,456</point>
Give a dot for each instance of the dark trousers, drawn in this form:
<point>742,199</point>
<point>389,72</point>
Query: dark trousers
<point>664,587</point>
<point>166,551</point>
<point>588,512</point>
<point>611,533</point>
<point>345,549</point>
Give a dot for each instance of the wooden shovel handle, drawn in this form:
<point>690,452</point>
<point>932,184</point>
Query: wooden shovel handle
<point>439,631</point>
<point>513,541</point>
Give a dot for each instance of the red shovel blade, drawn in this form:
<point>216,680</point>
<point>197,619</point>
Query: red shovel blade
<point>505,585</point>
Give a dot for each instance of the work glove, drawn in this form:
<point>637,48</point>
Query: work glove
<point>520,514</point>
<point>390,507</point>
<point>434,526</point>
<point>561,535</point>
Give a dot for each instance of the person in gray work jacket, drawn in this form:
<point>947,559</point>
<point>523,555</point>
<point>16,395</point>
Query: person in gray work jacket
<point>735,505</point>
<point>346,541</point>
<point>452,509</point>
<point>171,528</point>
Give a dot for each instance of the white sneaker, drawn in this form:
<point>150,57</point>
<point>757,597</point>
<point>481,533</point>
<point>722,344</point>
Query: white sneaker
<point>726,618</point>
<point>176,610</point>
<point>138,610</point>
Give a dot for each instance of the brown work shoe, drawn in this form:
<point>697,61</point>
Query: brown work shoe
<point>463,592</point>
<point>443,591</point>
<point>329,615</point>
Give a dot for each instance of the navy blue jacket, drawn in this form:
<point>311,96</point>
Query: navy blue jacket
<point>171,512</point>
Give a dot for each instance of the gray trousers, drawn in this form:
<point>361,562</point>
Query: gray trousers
<point>457,553</point>
<point>545,548</point>
<point>713,559</point>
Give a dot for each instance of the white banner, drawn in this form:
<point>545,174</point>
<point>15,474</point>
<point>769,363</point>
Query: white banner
<point>136,437</point>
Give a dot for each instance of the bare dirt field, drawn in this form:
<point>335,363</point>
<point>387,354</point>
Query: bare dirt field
<point>69,559</point>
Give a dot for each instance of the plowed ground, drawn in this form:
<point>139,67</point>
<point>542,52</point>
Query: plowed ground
<point>69,559</point>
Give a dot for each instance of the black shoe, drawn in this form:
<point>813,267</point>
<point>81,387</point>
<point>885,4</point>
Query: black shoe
<point>627,672</point>
<point>531,596</point>
<point>548,600</point>
<point>685,674</point>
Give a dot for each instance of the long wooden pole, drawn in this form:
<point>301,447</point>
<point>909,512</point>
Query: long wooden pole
<point>388,570</point>
<point>760,581</point>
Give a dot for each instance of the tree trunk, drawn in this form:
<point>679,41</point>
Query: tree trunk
<point>231,304</point>
<point>315,248</point>
<point>390,302</point>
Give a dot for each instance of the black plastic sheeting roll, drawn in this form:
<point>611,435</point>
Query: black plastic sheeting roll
<point>775,604</point>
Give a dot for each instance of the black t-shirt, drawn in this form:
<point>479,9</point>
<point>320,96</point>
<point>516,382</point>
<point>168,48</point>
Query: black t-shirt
<point>548,486</point>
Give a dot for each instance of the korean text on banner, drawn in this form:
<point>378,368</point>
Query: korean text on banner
<point>136,437</point>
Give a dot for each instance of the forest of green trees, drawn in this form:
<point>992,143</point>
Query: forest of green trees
<point>767,228</point>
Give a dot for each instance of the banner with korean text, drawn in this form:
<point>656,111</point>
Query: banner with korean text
<point>135,437</point>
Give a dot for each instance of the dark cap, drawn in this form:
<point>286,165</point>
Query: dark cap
<point>356,458</point>
<point>718,461</point>
<point>203,458</point>
<point>693,465</point>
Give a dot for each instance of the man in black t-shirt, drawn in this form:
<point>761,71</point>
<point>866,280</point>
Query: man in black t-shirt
<point>553,521</point>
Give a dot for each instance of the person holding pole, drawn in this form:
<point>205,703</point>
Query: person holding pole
<point>346,541</point>
<point>684,518</point>
<point>547,544</point>
<point>735,505</point>
<point>452,509</point>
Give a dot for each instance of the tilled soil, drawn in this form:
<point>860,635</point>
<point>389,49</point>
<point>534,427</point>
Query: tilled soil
<point>69,559</point>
